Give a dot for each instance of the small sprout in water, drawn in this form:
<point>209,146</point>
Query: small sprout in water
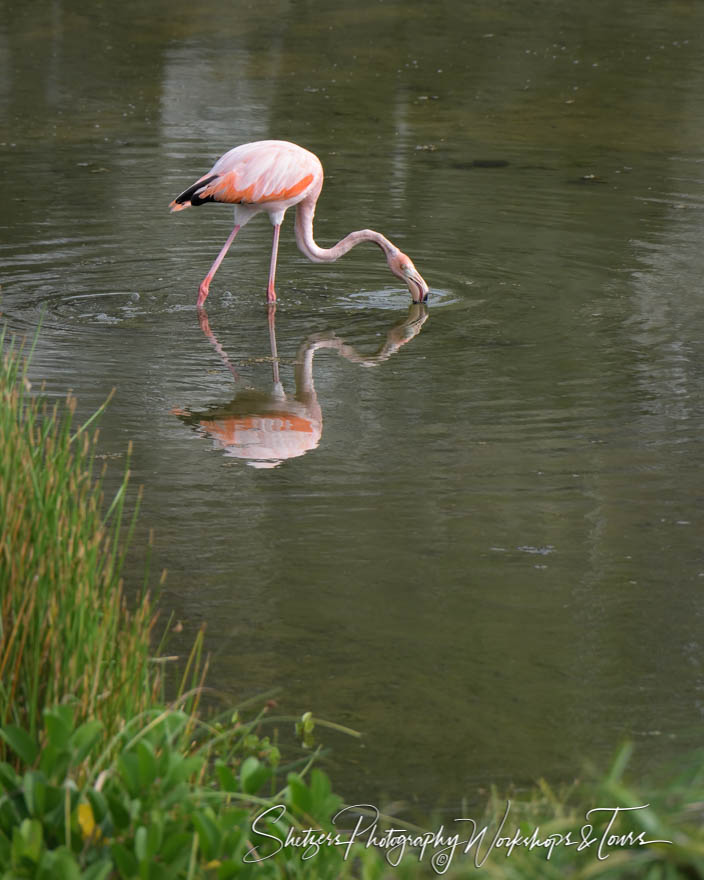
<point>304,729</point>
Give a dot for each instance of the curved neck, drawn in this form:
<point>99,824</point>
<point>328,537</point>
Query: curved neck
<point>306,242</point>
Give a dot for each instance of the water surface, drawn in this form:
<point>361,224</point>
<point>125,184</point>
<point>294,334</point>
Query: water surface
<point>488,555</point>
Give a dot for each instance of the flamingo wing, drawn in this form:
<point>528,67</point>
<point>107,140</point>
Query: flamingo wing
<point>255,174</point>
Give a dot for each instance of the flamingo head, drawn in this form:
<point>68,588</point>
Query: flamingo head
<point>402,266</point>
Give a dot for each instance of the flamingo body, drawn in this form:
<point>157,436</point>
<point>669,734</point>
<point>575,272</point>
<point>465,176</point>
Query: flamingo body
<point>264,176</point>
<point>273,176</point>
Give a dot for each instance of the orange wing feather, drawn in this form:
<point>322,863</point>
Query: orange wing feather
<point>227,189</point>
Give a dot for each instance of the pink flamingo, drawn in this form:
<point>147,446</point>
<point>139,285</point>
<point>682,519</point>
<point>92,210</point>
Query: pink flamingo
<point>273,176</point>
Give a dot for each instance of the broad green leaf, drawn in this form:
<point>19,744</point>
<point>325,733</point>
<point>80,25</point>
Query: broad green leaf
<point>226,777</point>
<point>58,724</point>
<point>208,834</point>
<point>125,861</point>
<point>325,803</point>
<point>20,742</point>
<point>128,764</point>
<point>253,774</point>
<point>9,780</point>
<point>140,844</point>
<point>98,803</point>
<point>12,811</point>
<point>54,763</point>
<point>84,738</point>
<point>118,810</point>
<point>155,833</point>
<point>168,728</point>
<point>147,765</point>
<point>98,870</point>
<point>5,849</point>
<point>27,841</point>
<point>60,863</point>
<point>229,868</point>
<point>34,788</point>
<point>176,844</point>
<point>54,802</point>
<point>235,817</point>
<point>182,769</point>
<point>299,796</point>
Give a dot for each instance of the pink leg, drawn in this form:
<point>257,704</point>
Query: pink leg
<point>270,292</point>
<point>205,283</point>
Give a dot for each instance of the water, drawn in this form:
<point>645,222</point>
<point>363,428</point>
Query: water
<point>481,547</point>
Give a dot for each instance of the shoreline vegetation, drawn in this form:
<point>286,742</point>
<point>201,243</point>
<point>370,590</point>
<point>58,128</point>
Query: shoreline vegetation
<point>102,777</point>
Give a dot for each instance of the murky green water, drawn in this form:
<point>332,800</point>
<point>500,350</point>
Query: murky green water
<point>483,544</point>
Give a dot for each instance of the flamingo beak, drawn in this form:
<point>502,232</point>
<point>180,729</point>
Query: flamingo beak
<point>417,286</point>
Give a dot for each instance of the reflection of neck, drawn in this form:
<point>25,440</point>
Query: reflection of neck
<point>306,242</point>
<point>398,335</point>
<point>303,373</point>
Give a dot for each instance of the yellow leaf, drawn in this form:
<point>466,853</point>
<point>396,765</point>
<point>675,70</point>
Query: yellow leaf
<point>87,821</point>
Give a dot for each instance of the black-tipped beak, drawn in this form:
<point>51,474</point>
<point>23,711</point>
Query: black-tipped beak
<point>418,287</point>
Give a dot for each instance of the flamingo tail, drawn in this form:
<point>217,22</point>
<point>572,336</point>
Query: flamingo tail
<point>190,197</point>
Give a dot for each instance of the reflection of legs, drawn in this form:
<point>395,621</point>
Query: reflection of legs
<point>270,292</point>
<point>205,283</point>
<point>278,388</point>
<point>205,327</point>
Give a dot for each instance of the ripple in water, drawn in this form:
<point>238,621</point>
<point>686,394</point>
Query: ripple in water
<point>393,299</point>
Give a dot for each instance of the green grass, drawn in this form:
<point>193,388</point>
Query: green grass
<point>602,845</point>
<point>66,633</point>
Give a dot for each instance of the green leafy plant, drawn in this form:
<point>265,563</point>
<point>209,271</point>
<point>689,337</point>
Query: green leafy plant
<point>153,805</point>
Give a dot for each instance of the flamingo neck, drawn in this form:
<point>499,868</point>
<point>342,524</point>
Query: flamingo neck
<point>306,242</point>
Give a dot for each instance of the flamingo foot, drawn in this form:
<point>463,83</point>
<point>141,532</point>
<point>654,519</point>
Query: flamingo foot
<point>203,292</point>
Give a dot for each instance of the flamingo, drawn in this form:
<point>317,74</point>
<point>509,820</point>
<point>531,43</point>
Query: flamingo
<point>273,176</point>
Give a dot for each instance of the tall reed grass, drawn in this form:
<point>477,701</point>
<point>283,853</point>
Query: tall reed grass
<point>66,633</point>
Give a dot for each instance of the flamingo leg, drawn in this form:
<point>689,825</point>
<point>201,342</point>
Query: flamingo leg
<point>270,292</point>
<point>205,283</point>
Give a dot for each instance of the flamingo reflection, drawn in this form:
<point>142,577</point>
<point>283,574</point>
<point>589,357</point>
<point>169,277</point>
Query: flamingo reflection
<point>266,428</point>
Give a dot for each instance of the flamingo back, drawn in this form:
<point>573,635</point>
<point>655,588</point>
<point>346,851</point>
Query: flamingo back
<point>265,173</point>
